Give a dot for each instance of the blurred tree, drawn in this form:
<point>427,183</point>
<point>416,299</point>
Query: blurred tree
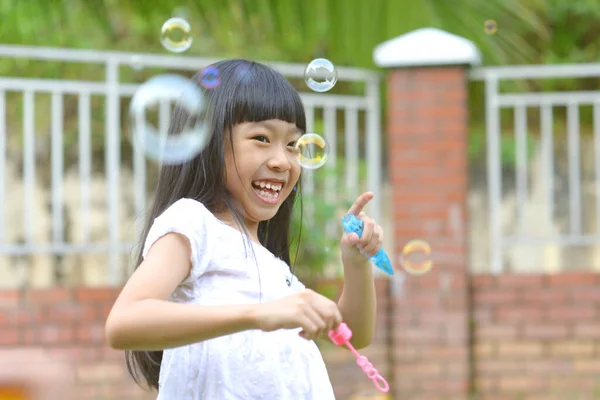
<point>345,31</point>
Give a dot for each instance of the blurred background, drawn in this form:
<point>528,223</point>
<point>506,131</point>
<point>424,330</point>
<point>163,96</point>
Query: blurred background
<point>492,161</point>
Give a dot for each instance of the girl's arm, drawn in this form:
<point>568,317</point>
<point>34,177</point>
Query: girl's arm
<point>143,319</point>
<point>358,302</point>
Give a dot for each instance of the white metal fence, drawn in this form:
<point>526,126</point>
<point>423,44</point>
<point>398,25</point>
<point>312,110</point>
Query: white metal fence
<point>547,103</point>
<point>112,89</point>
<point>361,117</point>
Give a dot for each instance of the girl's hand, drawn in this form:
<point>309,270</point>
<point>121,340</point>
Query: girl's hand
<point>355,250</point>
<point>312,312</point>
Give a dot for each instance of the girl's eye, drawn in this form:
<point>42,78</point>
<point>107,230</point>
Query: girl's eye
<point>261,138</point>
<point>292,144</point>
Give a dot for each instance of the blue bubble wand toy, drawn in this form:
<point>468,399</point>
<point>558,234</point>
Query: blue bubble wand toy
<point>352,223</point>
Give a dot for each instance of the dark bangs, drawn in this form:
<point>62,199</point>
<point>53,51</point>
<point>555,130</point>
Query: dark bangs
<point>253,92</point>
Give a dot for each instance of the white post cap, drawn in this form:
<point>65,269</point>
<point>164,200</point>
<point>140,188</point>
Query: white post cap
<point>426,47</point>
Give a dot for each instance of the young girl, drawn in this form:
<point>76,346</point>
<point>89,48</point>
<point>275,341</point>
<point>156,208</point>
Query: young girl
<point>204,318</point>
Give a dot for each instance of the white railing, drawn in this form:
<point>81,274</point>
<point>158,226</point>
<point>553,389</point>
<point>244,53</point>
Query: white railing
<point>113,89</point>
<point>545,101</point>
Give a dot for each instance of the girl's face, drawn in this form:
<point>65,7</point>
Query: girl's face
<point>264,170</point>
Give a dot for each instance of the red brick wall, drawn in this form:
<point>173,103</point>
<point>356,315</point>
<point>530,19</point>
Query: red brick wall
<point>69,326</point>
<point>537,336</point>
<point>504,338</point>
<point>532,337</point>
<point>427,136</point>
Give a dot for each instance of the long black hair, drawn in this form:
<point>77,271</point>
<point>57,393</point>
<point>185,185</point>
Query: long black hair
<point>247,92</point>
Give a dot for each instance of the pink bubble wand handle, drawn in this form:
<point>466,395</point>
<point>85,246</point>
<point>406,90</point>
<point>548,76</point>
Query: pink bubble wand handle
<point>341,336</point>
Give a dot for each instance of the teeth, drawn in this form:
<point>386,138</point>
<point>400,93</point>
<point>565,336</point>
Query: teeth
<point>273,186</point>
<point>267,194</point>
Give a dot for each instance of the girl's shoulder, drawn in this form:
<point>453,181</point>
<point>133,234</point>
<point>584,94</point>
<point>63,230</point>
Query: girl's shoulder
<point>186,211</point>
<point>185,216</point>
<point>186,205</point>
<point>190,218</point>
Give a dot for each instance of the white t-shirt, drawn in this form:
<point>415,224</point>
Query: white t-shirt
<point>251,364</point>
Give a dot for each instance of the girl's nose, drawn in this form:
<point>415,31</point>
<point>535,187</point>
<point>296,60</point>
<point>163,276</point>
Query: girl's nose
<point>280,160</point>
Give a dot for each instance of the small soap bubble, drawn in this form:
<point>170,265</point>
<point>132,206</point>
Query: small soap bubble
<point>175,35</point>
<point>164,91</point>
<point>416,258</point>
<point>490,27</point>
<point>210,77</point>
<point>320,75</point>
<point>312,151</point>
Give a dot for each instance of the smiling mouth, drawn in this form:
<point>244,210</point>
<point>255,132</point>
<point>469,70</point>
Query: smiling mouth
<point>269,192</point>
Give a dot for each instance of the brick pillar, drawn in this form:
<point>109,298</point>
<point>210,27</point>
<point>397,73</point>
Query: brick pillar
<point>427,144</point>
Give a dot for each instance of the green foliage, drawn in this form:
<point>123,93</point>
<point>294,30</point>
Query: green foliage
<point>345,31</point>
<point>574,30</point>
<point>316,249</point>
<point>285,30</point>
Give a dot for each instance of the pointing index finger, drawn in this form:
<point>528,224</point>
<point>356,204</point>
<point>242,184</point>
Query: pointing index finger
<point>360,203</point>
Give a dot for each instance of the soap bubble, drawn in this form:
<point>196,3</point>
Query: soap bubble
<point>175,35</point>
<point>210,77</point>
<point>320,75</point>
<point>490,27</point>
<point>312,151</point>
<point>416,258</point>
<point>161,91</point>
